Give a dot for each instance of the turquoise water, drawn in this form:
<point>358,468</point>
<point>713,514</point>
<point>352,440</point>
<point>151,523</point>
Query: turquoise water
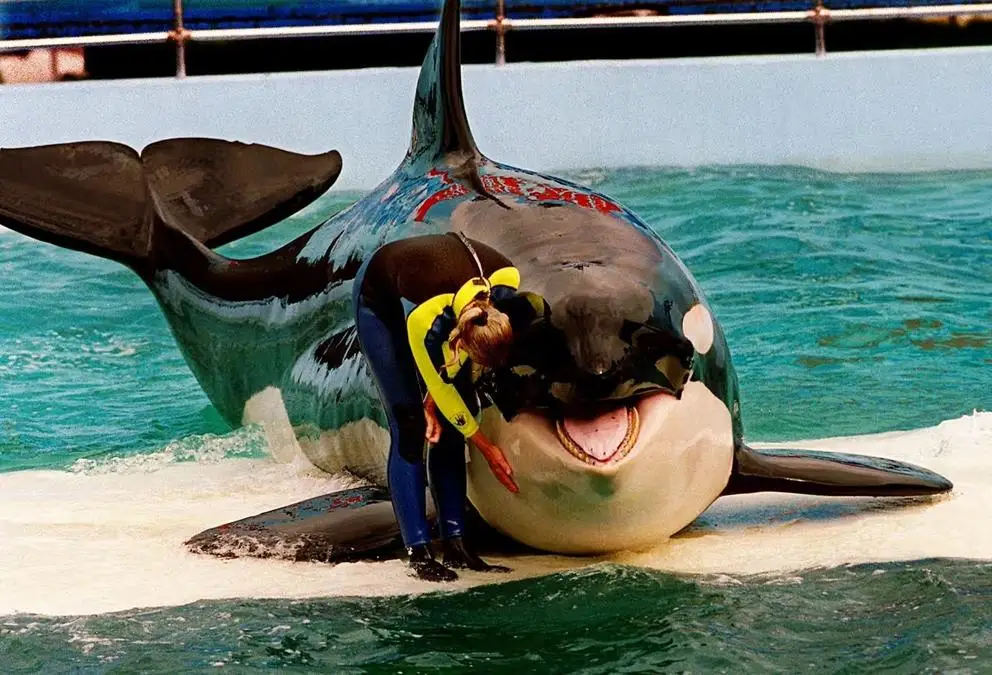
<point>853,304</point>
<point>925,617</point>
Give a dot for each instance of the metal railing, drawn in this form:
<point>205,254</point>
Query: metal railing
<point>818,16</point>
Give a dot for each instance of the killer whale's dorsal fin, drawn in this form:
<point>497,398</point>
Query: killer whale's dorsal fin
<point>440,125</point>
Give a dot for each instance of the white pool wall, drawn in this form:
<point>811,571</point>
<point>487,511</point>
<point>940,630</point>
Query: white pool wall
<point>867,111</point>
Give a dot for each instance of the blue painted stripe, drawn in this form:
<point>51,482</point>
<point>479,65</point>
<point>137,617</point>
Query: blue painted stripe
<point>20,19</point>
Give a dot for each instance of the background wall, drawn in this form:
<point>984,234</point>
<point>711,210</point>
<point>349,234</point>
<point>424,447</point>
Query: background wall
<point>867,111</point>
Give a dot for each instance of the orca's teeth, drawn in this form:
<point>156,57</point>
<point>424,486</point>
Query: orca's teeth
<point>623,449</point>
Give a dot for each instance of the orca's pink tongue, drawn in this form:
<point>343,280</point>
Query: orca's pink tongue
<point>599,437</point>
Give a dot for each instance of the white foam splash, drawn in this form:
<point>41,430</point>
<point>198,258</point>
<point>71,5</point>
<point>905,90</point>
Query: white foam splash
<point>111,537</point>
<point>205,449</point>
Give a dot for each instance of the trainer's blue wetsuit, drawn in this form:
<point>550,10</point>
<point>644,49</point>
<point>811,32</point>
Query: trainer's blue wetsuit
<point>407,297</point>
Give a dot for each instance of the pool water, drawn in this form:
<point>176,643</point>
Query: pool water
<point>853,305</point>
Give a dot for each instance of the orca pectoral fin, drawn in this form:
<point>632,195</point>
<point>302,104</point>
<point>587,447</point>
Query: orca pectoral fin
<point>217,191</point>
<point>337,527</point>
<point>829,473</point>
<point>87,196</point>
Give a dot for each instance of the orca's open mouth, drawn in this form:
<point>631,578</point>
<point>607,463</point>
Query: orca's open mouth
<point>602,438</point>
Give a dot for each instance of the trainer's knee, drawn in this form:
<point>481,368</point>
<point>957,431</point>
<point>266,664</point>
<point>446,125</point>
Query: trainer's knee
<point>410,431</point>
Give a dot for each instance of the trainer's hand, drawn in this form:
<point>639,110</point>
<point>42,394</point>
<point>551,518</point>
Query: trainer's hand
<point>497,461</point>
<point>433,429</point>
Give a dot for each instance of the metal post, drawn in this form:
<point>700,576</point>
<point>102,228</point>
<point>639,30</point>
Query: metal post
<point>500,33</point>
<point>179,35</point>
<point>819,21</point>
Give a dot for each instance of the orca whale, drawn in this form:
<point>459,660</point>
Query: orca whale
<point>619,410</point>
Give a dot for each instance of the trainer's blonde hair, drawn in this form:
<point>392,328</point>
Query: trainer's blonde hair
<point>483,332</point>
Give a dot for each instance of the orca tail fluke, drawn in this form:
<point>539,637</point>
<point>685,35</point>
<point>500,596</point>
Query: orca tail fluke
<point>88,196</point>
<point>814,472</point>
<point>219,191</point>
<point>108,200</point>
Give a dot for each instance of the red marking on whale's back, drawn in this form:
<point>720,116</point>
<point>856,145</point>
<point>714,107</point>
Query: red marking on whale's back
<point>512,185</point>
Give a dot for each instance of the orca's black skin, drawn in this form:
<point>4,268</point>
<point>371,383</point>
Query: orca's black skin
<point>617,292</point>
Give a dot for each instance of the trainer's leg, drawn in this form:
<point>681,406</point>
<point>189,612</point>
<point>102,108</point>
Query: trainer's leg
<point>446,468</point>
<point>396,377</point>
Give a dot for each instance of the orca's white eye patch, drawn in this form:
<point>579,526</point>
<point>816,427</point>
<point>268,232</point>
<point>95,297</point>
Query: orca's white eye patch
<point>697,327</point>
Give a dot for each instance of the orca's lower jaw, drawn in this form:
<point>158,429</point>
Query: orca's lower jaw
<point>625,476</point>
